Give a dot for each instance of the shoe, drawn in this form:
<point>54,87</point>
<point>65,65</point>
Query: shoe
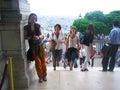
<point>40,79</point>
<point>83,70</point>
<point>44,78</point>
<point>76,66</point>
<point>54,68</point>
<point>110,70</point>
<point>103,70</point>
<point>86,69</point>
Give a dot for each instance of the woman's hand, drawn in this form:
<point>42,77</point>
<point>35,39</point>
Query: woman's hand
<point>35,37</point>
<point>62,41</point>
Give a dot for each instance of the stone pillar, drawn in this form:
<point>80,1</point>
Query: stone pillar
<point>13,16</point>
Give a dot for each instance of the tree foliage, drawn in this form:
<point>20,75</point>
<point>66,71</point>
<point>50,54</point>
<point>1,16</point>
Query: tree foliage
<point>95,16</point>
<point>102,22</point>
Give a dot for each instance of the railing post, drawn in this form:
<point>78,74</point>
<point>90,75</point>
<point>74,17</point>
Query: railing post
<point>4,75</point>
<point>11,73</point>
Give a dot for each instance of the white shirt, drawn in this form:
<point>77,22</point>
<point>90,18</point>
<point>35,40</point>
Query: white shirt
<point>82,52</point>
<point>58,40</point>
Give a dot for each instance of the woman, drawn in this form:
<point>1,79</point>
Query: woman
<point>32,33</point>
<point>58,38</point>
<point>72,47</point>
<point>88,38</point>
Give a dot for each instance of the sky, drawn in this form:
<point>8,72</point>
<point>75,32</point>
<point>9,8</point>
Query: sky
<point>72,8</point>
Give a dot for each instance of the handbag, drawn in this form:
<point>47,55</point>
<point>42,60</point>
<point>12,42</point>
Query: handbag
<point>106,49</point>
<point>101,55</point>
<point>52,45</point>
<point>29,55</point>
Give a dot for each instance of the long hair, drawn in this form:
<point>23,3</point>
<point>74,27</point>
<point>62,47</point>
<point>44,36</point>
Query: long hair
<point>90,28</point>
<point>32,14</point>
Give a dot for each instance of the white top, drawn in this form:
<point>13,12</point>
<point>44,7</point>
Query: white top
<point>72,42</point>
<point>82,52</point>
<point>58,40</point>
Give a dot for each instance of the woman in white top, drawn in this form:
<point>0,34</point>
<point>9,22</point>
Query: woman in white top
<point>72,47</point>
<point>57,36</point>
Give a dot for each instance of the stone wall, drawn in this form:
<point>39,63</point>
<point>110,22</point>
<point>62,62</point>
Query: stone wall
<point>13,16</point>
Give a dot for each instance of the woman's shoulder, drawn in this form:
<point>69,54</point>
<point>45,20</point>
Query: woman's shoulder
<point>77,36</point>
<point>26,27</point>
<point>37,25</point>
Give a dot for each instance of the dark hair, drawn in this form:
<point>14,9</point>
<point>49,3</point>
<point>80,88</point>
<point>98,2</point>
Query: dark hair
<point>116,23</point>
<point>91,28</point>
<point>32,14</point>
<point>58,25</point>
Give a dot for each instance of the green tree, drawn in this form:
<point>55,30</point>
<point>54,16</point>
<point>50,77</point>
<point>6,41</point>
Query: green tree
<point>81,24</point>
<point>102,23</point>
<point>99,27</point>
<point>95,16</point>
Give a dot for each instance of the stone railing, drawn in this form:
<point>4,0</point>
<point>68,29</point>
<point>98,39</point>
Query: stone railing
<point>99,44</point>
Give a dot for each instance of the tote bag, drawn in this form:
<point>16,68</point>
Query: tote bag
<point>29,55</point>
<point>52,45</point>
<point>106,49</point>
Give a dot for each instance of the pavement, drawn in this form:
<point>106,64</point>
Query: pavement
<point>64,79</point>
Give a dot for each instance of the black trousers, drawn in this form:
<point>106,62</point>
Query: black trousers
<point>109,60</point>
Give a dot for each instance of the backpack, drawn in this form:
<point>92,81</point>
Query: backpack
<point>106,50</point>
<point>30,56</point>
<point>83,39</point>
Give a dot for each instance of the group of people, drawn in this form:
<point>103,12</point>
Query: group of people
<point>72,50</point>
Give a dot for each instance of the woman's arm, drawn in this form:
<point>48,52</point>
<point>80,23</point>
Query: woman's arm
<point>67,42</point>
<point>35,37</point>
<point>78,43</point>
<point>26,36</point>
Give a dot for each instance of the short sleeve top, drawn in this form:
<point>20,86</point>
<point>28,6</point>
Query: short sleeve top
<point>88,38</point>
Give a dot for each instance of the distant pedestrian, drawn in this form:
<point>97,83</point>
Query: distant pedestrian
<point>48,53</point>
<point>64,59</point>
<point>92,57</point>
